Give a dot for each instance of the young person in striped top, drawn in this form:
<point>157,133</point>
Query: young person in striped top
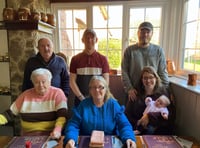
<point>86,64</point>
<point>42,109</point>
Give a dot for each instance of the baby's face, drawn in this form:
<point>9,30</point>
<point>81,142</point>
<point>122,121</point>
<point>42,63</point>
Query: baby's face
<point>160,103</point>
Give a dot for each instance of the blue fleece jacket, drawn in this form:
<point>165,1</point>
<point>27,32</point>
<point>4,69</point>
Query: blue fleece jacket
<point>109,118</point>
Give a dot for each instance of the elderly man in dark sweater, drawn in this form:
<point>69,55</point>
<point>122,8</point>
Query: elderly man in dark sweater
<point>46,58</point>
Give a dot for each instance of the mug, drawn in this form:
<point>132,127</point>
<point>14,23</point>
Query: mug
<point>192,79</point>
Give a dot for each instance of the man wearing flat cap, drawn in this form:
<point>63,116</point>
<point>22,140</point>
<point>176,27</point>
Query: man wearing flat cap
<point>141,54</point>
<point>85,65</point>
<point>135,58</point>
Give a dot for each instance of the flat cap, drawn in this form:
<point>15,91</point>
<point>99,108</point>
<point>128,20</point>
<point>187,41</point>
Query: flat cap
<point>146,25</point>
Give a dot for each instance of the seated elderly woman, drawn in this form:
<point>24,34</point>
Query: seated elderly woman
<point>101,112</point>
<point>42,109</point>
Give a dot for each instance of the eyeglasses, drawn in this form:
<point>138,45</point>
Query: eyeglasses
<point>97,87</point>
<point>148,78</point>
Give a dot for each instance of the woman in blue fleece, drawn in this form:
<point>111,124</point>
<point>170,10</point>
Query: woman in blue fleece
<point>99,112</point>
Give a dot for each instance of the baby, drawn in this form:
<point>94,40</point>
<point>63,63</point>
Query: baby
<point>160,105</point>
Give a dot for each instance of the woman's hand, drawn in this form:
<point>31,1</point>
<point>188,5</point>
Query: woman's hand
<point>55,135</point>
<point>144,120</point>
<point>70,144</point>
<point>165,116</point>
<point>60,142</point>
<point>132,93</point>
<point>130,143</point>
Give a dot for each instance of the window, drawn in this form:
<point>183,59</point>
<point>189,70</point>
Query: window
<point>138,15</point>
<point>107,22</point>
<point>116,26</point>
<point>191,47</point>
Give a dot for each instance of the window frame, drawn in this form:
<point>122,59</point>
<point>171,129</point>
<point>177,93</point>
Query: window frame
<point>171,33</point>
<point>178,39</point>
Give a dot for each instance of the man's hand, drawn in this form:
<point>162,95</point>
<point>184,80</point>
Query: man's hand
<point>132,94</point>
<point>144,120</point>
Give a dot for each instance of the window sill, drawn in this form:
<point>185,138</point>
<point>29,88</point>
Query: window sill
<point>180,81</point>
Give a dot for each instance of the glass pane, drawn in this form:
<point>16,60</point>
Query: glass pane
<point>72,23</point>
<point>193,8</point>
<point>65,18</point>
<point>153,15</point>
<point>79,17</point>
<point>133,36</point>
<point>156,36</point>
<point>102,44</point>
<point>115,16</point>
<point>192,47</point>
<point>66,40</point>
<point>191,34</point>
<point>114,58</point>
<point>109,32</point>
<point>189,59</point>
<point>105,16</point>
<point>115,34</point>
<point>138,15</point>
<point>78,44</point>
<point>100,16</point>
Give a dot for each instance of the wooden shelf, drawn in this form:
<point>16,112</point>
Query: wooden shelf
<point>27,25</point>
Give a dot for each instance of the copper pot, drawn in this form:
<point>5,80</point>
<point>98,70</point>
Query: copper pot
<point>51,19</point>
<point>23,13</point>
<point>35,16</point>
<point>44,17</point>
<point>8,14</point>
<point>171,67</point>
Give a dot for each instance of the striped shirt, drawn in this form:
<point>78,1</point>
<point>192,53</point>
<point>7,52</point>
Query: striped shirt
<point>40,113</point>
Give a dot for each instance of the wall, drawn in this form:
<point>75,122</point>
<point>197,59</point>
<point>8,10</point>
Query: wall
<point>21,45</point>
<point>33,5</point>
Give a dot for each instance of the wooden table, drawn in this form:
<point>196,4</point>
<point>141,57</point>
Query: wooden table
<point>195,144</point>
<point>140,144</point>
<point>4,140</point>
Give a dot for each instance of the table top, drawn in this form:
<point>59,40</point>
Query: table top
<point>4,140</point>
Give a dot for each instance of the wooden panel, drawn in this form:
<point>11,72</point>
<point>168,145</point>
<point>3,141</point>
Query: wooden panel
<point>187,112</point>
<point>116,88</point>
<point>5,102</point>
